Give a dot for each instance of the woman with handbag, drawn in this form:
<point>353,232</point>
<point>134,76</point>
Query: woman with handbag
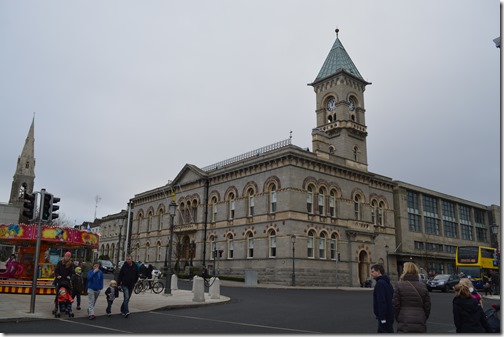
<point>411,301</point>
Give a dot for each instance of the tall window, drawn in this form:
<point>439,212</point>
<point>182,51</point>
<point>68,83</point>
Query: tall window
<point>431,225</point>
<point>466,232</point>
<point>357,200</point>
<point>374,206</point>
<point>250,245</point>
<point>147,248</point>
<point>149,221</point>
<point>273,198</point>
<point>158,251</point>
<point>214,209</point>
<point>230,247</point>
<point>160,219</point>
<point>321,201</point>
<point>448,211</point>
<point>322,246</point>
<point>309,200</point>
<point>272,244</point>
<point>231,206</point>
<point>333,247</point>
<point>381,206</point>
<point>481,234</point>
<point>213,246</point>
<point>356,153</point>
<point>450,229</point>
<point>332,204</point>
<point>140,220</point>
<point>309,245</point>
<point>251,202</point>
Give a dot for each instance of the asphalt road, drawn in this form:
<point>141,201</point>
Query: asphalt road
<point>251,311</point>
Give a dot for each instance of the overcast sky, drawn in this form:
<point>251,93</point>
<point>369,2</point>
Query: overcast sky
<point>127,92</point>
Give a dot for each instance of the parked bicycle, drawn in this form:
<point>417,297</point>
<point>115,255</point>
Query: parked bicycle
<point>143,285</point>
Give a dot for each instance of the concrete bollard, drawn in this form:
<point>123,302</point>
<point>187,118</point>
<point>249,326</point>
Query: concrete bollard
<point>174,282</point>
<point>199,289</point>
<point>193,283</point>
<point>214,290</point>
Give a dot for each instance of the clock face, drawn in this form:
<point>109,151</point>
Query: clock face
<point>331,104</point>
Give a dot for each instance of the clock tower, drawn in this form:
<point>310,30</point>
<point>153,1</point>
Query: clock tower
<point>340,134</point>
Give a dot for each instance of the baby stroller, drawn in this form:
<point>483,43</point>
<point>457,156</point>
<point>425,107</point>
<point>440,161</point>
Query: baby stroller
<point>492,317</point>
<point>63,300</point>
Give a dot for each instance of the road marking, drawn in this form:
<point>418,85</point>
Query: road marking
<point>95,326</point>
<point>230,322</point>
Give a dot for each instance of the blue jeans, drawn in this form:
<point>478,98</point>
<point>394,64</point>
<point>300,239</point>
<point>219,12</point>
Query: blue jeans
<point>127,294</point>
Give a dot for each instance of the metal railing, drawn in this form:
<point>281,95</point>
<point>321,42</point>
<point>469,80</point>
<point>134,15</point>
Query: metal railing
<point>249,154</point>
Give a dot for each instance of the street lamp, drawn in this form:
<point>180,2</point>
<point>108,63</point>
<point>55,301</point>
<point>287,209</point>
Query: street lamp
<point>119,245</point>
<point>495,231</point>
<point>293,240</point>
<point>171,208</point>
<point>386,250</point>
<point>192,249</point>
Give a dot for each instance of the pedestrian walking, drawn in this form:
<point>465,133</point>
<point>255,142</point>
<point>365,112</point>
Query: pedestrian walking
<point>86,267</point>
<point>468,316</point>
<point>382,299</point>
<point>95,285</point>
<point>112,293</point>
<point>77,286</point>
<point>412,304</point>
<point>128,276</point>
<point>474,293</point>
<point>65,268</point>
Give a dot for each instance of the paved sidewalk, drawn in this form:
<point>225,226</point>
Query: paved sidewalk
<point>16,307</point>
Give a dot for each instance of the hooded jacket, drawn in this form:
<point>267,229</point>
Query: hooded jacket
<point>412,304</point>
<point>382,299</point>
<point>468,316</point>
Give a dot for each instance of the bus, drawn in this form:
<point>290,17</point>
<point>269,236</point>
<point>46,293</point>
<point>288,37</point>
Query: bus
<point>476,261</point>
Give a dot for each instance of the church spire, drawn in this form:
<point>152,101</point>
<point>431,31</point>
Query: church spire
<point>24,177</point>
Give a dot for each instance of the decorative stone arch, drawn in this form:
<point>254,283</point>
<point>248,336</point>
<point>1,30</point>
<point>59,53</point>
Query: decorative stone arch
<point>214,194</point>
<point>358,191</point>
<point>363,257</point>
<point>271,180</point>
<point>309,181</point>
<point>250,185</point>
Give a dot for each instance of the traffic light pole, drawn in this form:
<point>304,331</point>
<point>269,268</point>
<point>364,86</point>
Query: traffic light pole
<point>37,252</point>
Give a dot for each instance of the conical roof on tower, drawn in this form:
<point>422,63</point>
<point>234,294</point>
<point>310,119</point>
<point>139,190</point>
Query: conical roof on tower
<point>337,60</point>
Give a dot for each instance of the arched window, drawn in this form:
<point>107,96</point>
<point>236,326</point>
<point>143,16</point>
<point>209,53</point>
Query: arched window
<point>230,246</point>
<point>374,204</point>
<point>250,245</point>
<point>309,200</point>
<point>332,204</point>
<point>272,243</point>
<point>322,246</point>
<point>309,245</point>
<point>356,153</point>
<point>273,198</point>
<point>357,199</point>
<point>251,202</point>
<point>380,213</point>
<point>147,255</point>
<point>140,220</point>
<point>214,209</point>
<point>321,202</point>
<point>160,219</point>
<point>194,211</point>
<point>231,206</point>
<point>158,251</point>
<point>149,221</point>
<point>334,246</point>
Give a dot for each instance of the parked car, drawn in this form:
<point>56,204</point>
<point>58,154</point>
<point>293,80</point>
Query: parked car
<point>106,266</point>
<point>422,278</point>
<point>443,282</point>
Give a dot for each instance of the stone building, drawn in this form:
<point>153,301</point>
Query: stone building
<point>305,217</point>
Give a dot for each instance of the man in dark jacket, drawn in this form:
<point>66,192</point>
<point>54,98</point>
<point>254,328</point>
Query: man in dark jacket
<point>128,276</point>
<point>382,299</point>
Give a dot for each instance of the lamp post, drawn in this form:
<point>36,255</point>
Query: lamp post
<point>293,240</point>
<point>172,208</point>
<point>119,245</point>
<point>192,249</point>
<point>386,250</point>
<point>495,231</point>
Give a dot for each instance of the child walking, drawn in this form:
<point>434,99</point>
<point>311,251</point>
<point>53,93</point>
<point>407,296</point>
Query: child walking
<point>77,286</point>
<point>112,293</point>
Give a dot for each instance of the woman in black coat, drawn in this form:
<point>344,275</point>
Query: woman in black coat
<point>468,316</point>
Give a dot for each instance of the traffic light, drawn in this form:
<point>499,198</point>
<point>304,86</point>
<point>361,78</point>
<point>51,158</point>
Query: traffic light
<point>50,207</point>
<point>29,205</point>
<point>54,208</point>
<point>46,208</point>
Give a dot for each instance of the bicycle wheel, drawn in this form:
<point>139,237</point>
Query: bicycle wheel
<point>157,287</point>
<point>139,287</point>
